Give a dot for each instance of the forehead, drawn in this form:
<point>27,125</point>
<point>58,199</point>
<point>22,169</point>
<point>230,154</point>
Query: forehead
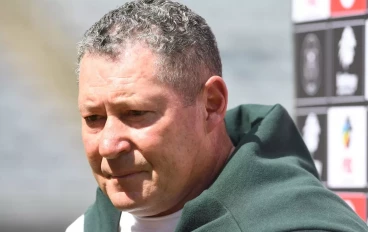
<point>132,77</point>
<point>135,61</point>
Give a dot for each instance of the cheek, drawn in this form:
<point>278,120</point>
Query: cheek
<point>91,149</point>
<point>90,142</point>
<point>170,148</point>
<point>150,143</point>
<point>157,145</point>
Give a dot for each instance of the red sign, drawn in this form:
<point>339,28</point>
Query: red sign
<point>348,7</point>
<point>357,201</point>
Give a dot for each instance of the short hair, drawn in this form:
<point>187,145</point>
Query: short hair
<point>185,45</point>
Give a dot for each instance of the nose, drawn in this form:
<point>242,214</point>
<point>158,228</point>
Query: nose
<point>114,140</point>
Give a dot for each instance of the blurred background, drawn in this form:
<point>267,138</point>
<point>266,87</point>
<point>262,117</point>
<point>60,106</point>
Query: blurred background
<point>45,180</point>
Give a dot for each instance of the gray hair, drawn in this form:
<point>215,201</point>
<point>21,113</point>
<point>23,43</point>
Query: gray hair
<point>183,41</point>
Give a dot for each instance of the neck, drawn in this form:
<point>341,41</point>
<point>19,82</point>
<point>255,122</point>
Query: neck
<point>223,147</point>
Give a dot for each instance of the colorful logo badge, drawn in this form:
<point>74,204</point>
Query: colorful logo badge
<point>347,133</point>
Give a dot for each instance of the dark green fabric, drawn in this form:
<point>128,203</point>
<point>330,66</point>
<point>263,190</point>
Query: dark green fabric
<point>102,216</point>
<point>269,184</point>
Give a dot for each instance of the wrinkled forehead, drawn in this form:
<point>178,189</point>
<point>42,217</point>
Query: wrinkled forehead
<point>131,78</point>
<point>133,61</point>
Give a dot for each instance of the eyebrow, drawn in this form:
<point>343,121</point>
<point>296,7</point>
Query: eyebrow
<point>90,105</point>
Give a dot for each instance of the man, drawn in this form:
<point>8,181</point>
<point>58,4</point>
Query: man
<point>153,105</point>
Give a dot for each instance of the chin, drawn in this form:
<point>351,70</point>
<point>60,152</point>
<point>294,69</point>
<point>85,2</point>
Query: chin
<point>132,202</point>
<point>125,203</point>
<point>122,199</point>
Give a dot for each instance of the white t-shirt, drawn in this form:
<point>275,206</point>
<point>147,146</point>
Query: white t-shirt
<point>131,223</point>
<point>77,225</point>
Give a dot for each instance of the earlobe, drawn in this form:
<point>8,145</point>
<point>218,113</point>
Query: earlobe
<point>216,101</point>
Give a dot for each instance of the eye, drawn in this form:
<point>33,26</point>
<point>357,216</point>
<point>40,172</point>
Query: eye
<point>136,113</point>
<point>92,118</point>
<point>95,121</point>
<point>138,118</point>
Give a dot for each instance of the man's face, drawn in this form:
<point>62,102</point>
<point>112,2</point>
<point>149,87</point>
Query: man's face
<point>145,148</point>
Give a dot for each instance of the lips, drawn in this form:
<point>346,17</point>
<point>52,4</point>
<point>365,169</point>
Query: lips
<point>124,175</point>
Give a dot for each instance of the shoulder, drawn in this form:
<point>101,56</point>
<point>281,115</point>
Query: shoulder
<point>250,112</point>
<point>243,119</point>
<point>77,225</point>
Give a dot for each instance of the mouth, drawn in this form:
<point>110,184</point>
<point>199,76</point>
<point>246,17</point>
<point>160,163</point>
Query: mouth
<point>123,176</point>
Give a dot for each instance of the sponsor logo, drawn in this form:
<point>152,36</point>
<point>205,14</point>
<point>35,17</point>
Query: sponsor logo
<point>310,10</point>
<point>346,165</point>
<point>347,147</point>
<point>311,61</point>
<point>346,83</point>
<point>311,134</point>
<point>346,137</point>
<point>347,7</point>
<point>347,46</point>
<point>347,4</point>
<point>346,130</point>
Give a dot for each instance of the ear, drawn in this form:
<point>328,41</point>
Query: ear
<point>215,99</point>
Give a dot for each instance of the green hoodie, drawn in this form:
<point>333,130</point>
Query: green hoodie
<point>269,184</point>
